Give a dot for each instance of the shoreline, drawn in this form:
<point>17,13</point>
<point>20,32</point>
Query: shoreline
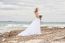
<point>8,29</point>
<point>48,35</point>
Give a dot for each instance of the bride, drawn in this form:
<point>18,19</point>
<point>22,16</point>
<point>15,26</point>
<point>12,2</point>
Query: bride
<point>34,27</point>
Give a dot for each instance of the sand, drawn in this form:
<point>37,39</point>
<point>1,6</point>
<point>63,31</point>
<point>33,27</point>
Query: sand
<point>49,35</point>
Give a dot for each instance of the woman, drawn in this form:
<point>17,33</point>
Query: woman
<point>34,28</point>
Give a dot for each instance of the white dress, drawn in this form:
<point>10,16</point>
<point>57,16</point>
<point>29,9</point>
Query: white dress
<point>34,28</point>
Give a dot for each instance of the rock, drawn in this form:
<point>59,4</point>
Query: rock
<point>37,41</point>
<point>3,39</point>
<point>12,42</point>
<point>58,42</point>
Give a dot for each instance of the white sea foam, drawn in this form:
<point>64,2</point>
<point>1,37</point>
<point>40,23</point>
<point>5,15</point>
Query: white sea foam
<point>54,25</point>
<point>9,27</point>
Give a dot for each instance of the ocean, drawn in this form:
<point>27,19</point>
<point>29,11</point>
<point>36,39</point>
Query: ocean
<point>26,24</point>
<point>12,25</point>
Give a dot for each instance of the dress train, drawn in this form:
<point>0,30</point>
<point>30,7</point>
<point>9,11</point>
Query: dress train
<point>34,28</point>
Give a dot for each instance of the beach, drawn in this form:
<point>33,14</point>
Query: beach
<point>49,35</point>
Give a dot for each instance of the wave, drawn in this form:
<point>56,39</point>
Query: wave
<point>8,27</point>
<point>26,25</point>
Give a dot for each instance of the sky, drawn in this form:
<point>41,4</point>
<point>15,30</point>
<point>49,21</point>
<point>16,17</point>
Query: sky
<point>23,10</point>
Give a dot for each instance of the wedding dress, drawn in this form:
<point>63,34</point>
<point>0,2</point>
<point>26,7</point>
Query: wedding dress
<point>34,28</point>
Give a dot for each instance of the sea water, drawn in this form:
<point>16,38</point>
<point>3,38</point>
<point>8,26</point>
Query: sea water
<point>12,25</point>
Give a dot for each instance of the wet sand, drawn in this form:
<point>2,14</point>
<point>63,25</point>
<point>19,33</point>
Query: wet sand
<point>49,35</point>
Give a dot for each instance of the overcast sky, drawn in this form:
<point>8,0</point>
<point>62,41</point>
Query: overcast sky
<point>22,10</point>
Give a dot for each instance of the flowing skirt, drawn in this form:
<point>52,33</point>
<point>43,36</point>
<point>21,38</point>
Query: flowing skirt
<point>34,28</point>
